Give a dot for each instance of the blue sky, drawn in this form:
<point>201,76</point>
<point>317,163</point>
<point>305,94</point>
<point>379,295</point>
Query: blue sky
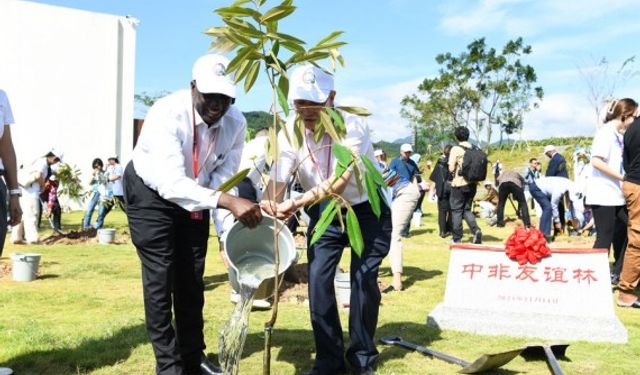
<point>393,43</point>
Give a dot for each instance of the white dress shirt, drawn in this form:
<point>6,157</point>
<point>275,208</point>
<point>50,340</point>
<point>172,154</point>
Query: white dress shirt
<point>604,190</point>
<point>163,157</point>
<point>555,187</point>
<point>116,185</point>
<point>6,116</point>
<point>318,168</point>
<point>254,158</point>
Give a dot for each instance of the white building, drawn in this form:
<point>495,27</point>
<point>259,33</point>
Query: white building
<point>69,75</point>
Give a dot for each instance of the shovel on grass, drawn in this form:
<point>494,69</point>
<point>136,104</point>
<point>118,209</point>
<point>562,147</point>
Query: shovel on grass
<point>485,362</point>
<point>550,352</point>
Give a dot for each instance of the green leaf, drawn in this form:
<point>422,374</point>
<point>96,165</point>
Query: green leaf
<point>354,233</point>
<point>243,27</point>
<point>234,180</point>
<point>326,123</point>
<point>372,170</point>
<point>223,45</point>
<point>216,31</point>
<point>299,58</point>
<point>277,13</point>
<point>243,54</point>
<point>237,38</point>
<point>298,132</point>
<point>291,46</point>
<point>372,193</point>
<point>342,154</point>
<point>327,47</point>
<point>326,217</point>
<point>359,111</point>
<point>330,37</point>
<point>282,97</point>
<point>338,121</point>
<point>252,76</point>
<point>358,176</point>
<point>242,71</point>
<point>289,38</point>
<point>237,11</point>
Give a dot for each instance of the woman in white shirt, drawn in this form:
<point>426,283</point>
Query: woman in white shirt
<point>604,192</point>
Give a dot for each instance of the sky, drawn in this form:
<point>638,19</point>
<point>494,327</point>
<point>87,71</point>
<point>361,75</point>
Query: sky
<point>392,45</point>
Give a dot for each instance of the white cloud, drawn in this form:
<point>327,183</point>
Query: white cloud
<point>560,115</point>
<point>384,103</point>
<point>529,18</point>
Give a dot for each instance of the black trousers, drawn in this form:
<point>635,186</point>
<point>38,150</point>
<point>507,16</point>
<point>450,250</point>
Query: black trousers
<point>324,256</point>
<point>517,192</point>
<point>172,249</point>
<point>611,229</point>
<point>461,202</point>
<point>444,214</point>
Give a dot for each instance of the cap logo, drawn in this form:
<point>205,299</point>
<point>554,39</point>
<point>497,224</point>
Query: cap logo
<point>219,69</point>
<point>309,77</point>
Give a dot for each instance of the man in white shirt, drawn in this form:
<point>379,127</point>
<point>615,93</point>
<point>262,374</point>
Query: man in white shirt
<point>552,191</point>
<point>32,179</point>
<point>191,142</point>
<point>114,189</point>
<point>8,172</point>
<point>311,89</point>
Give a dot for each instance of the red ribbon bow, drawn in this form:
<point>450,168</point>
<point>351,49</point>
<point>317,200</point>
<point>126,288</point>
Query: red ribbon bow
<point>527,245</point>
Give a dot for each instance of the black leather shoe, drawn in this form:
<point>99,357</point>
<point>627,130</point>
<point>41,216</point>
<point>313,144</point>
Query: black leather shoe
<point>364,371</point>
<point>477,237</point>
<point>208,368</point>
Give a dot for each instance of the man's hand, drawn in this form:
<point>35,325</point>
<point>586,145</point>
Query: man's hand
<point>247,212</point>
<point>15,212</point>
<point>270,207</point>
<point>286,209</point>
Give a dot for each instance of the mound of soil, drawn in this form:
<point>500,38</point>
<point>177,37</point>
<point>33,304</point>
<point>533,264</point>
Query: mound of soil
<point>5,269</point>
<point>71,238</point>
<point>294,287</point>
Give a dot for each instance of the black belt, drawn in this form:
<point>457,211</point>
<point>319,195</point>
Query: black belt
<point>1,172</point>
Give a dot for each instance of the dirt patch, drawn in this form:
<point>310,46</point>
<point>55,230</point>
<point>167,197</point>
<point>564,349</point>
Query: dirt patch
<point>5,269</point>
<point>71,238</point>
<point>295,285</point>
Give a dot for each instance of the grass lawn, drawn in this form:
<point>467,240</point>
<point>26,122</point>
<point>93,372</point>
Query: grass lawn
<point>84,315</point>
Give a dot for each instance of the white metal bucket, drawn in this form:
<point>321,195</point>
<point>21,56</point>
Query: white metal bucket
<point>25,266</point>
<point>244,245</point>
<point>106,236</point>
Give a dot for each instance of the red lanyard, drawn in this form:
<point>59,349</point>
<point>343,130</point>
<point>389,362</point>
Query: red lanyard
<point>196,169</point>
<point>315,163</point>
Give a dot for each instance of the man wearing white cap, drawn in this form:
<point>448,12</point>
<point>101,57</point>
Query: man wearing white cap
<point>557,165</point>
<point>405,199</point>
<point>191,142</point>
<point>32,179</point>
<point>311,89</point>
<point>381,157</point>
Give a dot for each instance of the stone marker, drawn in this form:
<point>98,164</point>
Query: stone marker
<point>566,296</point>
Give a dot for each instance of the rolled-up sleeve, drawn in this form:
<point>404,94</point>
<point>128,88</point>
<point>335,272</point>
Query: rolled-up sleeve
<point>223,173</point>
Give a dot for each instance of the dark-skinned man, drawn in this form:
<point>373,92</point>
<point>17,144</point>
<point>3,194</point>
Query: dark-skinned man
<point>191,142</point>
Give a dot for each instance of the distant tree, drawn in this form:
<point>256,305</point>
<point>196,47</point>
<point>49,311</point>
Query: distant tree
<point>602,80</point>
<point>480,88</point>
<point>148,99</point>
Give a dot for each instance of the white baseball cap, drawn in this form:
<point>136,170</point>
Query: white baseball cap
<point>308,82</point>
<point>210,74</point>
<point>56,152</point>
<point>406,148</point>
<point>548,148</point>
<point>378,152</point>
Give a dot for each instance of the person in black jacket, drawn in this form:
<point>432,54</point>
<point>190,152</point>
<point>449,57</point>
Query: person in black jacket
<point>442,180</point>
<point>631,188</point>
